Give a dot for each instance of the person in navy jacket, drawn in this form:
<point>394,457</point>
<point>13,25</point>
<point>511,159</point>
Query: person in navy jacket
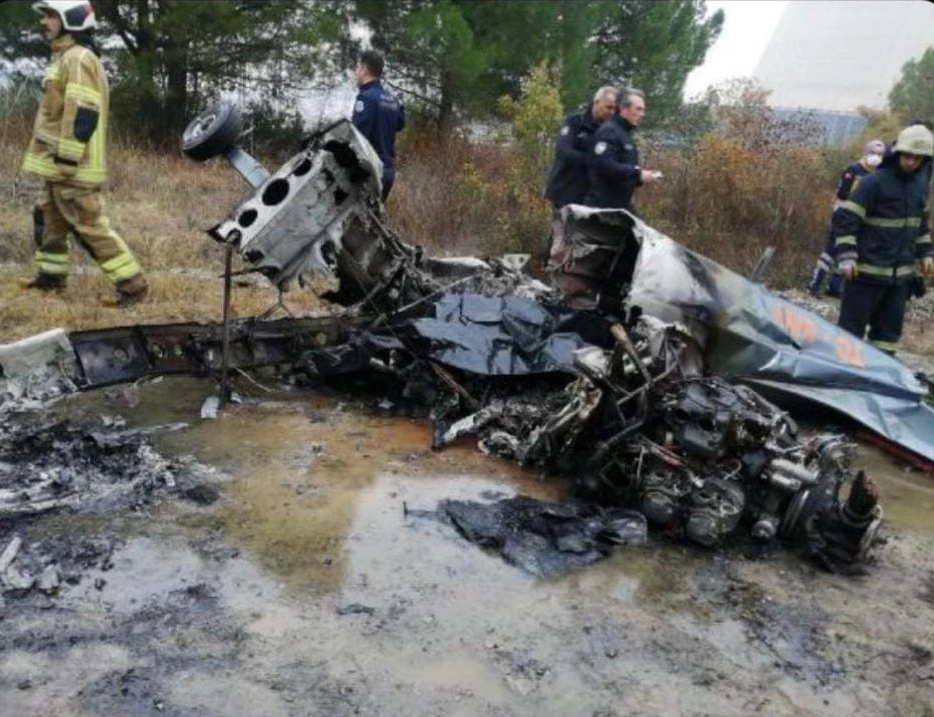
<point>567,180</point>
<point>615,171</point>
<point>378,114</point>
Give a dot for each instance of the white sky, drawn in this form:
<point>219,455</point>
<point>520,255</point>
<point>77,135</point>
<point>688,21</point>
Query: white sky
<point>747,28</point>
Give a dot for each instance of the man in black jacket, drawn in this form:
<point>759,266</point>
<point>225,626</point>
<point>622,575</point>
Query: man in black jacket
<point>567,180</point>
<point>881,234</point>
<point>614,161</point>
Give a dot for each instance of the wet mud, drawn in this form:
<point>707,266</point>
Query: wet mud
<point>295,577</point>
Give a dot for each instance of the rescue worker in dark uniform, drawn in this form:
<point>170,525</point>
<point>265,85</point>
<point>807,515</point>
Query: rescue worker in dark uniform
<point>378,114</point>
<point>614,170</point>
<point>873,152</point>
<point>881,232</point>
<point>567,180</point>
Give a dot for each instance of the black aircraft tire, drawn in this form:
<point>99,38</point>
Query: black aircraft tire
<point>212,132</point>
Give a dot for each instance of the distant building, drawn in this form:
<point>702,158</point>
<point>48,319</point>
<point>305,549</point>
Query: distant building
<point>828,57</point>
<point>836,55</point>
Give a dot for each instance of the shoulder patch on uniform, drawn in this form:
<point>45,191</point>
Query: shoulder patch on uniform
<point>565,131</point>
<point>358,107</point>
<point>599,148</point>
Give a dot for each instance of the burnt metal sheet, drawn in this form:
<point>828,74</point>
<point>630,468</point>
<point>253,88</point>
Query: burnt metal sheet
<point>753,336</point>
<point>124,354</point>
<point>498,336</point>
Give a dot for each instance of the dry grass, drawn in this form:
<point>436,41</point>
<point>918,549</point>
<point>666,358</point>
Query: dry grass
<point>161,205</point>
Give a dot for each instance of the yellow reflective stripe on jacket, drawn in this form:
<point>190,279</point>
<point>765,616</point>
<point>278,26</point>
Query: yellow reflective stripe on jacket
<point>857,209</point>
<point>872,270</point>
<point>91,176</point>
<point>891,223</point>
<point>75,79</point>
<point>122,267</point>
<point>71,149</point>
<point>82,92</point>
<point>848,240</point>
<point>43,166</point>
<point>53,264</point>
<point>923,239</point>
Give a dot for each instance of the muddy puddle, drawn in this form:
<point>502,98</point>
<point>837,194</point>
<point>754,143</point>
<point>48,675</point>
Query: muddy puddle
<point>309,588</point>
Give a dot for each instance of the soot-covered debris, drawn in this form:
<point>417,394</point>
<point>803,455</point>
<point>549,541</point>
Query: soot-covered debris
<point>49,463</point>
<point>627,414</point>
<point>89,466</point>
<point>545,539</point>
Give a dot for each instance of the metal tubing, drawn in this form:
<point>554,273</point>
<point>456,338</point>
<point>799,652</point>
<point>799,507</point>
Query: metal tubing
<point>247,166</point>
<point>225,345</point>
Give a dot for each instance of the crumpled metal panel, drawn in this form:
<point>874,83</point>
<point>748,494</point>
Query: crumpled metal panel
<point>753,336</point>
<point>294,223</point>
<point>501,336</point>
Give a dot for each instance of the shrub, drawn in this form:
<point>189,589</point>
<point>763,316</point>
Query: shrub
<point>751,183</point>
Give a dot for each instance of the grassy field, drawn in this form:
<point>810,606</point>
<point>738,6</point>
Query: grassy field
<point>162,206</point>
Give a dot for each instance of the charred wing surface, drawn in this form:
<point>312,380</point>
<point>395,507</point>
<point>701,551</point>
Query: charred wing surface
<point>47,366</point>
<point>748,334</point>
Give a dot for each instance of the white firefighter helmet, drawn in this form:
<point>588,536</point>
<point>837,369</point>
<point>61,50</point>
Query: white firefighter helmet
<point>916,139</point>
<point>76,15</point>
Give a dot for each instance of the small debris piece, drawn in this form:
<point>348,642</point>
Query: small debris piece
<point>355,608</point>
<point>17,580</point>
<point>131,395</point>
<point>49,580</point>
<point>9,555</point>
<point>210,407</point>
<point>202,494</point>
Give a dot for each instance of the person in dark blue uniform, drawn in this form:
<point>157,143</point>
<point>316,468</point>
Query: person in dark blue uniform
<point>873,152</point>
<point>881,234</point>
<point>378,114</point>
<point>567,180</point>
<point>614,169</point>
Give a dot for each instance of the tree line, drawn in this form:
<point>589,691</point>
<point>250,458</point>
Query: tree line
<point>451,60</point>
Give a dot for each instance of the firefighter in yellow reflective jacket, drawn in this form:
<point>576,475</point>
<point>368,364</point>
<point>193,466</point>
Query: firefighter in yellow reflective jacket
<point>68,151</point>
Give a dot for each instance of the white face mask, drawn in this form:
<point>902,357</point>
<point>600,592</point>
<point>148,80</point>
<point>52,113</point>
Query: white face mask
<point>873,160</point>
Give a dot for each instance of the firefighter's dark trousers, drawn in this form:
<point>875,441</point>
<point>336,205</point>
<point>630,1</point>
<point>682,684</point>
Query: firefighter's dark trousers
<point>80,210</point>
<point>880,306</point>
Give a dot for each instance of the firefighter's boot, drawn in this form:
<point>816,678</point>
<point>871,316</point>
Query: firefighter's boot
<point>130,292</point>
<point>43,282</point>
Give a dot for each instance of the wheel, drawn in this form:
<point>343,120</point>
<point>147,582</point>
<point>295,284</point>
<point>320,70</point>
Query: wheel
<point>212,132</point>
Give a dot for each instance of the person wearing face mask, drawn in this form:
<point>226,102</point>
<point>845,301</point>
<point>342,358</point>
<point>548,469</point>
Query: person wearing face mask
<point>873,152</point>
<point>882,237</point>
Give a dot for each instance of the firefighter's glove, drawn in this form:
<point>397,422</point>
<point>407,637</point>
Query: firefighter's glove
<point>927,266</point>
<point>847,267</point>
<point>66,167</point>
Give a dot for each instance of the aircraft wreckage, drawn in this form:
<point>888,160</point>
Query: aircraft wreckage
<point>647,374</point>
